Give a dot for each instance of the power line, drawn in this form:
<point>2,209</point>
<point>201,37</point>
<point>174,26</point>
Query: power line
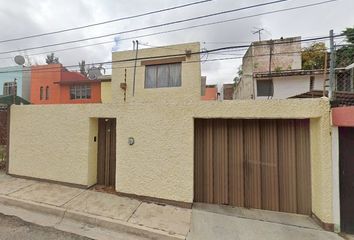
<point>150,27</point>
<point>105,22</point>
<point>180,29</point>
<point>193,53</point>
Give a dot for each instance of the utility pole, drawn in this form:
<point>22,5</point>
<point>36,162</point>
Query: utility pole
<point>271,49</point>
<point>331,66</point>
<point>259,33</point>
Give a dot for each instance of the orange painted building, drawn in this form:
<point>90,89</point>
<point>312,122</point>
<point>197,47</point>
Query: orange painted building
<point>53,84</point>
<point>211,93</point>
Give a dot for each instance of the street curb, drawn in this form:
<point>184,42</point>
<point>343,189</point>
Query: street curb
<point>11,206</point>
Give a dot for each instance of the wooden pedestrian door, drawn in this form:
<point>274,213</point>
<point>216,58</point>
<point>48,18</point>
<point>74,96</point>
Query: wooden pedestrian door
<point>262,164</point>
<point>346,166</point>
<point>106,166</point>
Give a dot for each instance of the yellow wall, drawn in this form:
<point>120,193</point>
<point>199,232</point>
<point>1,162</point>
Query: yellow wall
<point>321,168</point>
<point>106,92</point>
<point>190,90</point>
<point>92,154</point>
<point>160,163</point>
<point>50,141</point>
<point>55,142</point>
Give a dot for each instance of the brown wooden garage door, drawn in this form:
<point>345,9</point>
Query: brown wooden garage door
<point>262,164</point>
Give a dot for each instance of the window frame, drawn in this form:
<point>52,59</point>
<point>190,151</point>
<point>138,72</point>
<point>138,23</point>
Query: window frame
<point>41,93</point>
<point>158,83</point>
<point>80,91</point>
<point>10,88</point>
<point>46,92</point>
<point>312,83</point>
<point>270,92</point>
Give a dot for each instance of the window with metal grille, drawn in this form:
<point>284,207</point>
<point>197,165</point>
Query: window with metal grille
<point>164,75</point>
<point>80,92</point>
<point>9,88</point>
<point>265,88</point>
<point>312,82</point>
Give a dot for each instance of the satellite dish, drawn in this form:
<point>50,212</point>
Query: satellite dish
<point>20,60</point>
<point>94,73</point>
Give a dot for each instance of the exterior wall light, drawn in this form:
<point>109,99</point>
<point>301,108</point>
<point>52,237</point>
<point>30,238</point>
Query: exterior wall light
<point>131,141</point>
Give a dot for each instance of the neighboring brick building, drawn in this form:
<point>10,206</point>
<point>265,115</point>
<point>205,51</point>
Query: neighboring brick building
<point>210,92</point>
<point>271,55</point>
<point>53,84</point>
<point>228,91</point>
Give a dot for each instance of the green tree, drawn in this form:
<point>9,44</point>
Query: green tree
<point>313,57</point>
<point>51,59</point>
<point>237,79</point>
<point>345,54</point>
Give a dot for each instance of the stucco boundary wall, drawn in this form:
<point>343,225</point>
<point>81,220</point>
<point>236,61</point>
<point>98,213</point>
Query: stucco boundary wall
<point>55,142</point>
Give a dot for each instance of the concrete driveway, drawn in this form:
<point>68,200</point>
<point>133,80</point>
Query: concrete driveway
<point>228,223</point>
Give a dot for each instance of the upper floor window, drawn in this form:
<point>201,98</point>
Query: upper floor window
<point>164,75</point>
<point>41,93</point>
<point>80,92</point>
<point>47,93</point>
<point>265,88</point>
<point>9,88</point>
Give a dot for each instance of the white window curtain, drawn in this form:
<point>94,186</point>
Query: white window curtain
<point>150,76</point>
<point>175,75</point>
<point>165,75</point>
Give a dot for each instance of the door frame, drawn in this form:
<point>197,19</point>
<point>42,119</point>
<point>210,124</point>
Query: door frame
<point>342,181</point>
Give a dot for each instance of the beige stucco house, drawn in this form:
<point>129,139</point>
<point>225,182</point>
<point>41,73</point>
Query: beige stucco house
<point>158,139</point>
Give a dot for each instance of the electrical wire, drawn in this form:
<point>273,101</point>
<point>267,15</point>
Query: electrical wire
<point>152,26</point>
<point>104,22</point>
<point>193,53</point>
<point>173,30</point>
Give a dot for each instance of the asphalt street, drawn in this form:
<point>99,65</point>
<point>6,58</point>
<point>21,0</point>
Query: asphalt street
<point>13,228</point>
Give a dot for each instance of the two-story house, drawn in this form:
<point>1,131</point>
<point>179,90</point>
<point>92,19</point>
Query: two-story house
<point>16,78</point>
<point>272,69</point>
<point>54,84</point>
<point>158,139</point>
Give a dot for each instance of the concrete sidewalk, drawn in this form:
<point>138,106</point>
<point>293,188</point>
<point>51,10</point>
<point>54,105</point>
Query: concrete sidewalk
<point>90,213</point>
<point>104,216</point>
<point>211,222</point>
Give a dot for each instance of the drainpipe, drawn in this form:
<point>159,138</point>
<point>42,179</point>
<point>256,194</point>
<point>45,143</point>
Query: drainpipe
<point>136,58</point>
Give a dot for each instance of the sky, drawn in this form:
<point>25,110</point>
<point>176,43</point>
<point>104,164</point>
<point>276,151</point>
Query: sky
<point>24,17</point>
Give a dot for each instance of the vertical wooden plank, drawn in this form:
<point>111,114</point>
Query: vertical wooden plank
<point>235,161</point>
<point>112,154</point>
<point>269,168</point>
<point>101,151</point>
<point>252,160</point>
<point>208,159</point>
<point>198,161</point>
<point>303,166</point>
<point>220,161</point>
<point>107,151</point>
<point>287,166</point>
<point>203,163</point>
